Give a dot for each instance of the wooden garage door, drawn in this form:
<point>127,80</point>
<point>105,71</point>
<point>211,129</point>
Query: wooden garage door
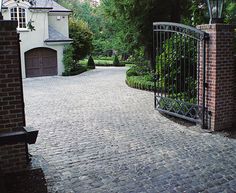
<point>41,62</point>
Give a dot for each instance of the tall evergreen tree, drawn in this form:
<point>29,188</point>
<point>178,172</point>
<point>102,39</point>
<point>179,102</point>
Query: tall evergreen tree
<point>139,16</point>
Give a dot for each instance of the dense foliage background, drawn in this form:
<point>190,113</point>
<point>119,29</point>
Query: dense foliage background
<point>125,26</point>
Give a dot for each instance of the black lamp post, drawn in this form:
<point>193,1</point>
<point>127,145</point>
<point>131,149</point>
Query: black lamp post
<point>215,8</point>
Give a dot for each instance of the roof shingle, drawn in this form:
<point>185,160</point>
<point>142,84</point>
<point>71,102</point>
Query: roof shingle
<point>55,36</point>
<point>48,4</point>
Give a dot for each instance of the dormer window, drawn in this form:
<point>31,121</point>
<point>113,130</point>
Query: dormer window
<point>19,14</point>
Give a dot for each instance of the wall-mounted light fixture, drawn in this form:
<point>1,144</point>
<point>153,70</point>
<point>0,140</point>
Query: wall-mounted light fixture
<point>215,8</point>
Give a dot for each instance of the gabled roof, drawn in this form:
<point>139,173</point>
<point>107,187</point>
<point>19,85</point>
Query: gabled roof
<point>50,4</point>
<point>55,36</point>
<point>45,4</point>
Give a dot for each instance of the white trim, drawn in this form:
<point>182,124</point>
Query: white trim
<point>22,30</point>
<point>58,13</point>
<point>11,4</point>
<point>18,17</point>
<point>57,43</point>
<point>0,5</point>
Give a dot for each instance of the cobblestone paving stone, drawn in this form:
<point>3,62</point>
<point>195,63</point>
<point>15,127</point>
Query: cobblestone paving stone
<point>99,135</point>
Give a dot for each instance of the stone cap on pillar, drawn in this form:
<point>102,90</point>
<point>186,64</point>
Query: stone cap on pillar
<point>25,134</point>
<point>8,24</point>
<point>216,26</point>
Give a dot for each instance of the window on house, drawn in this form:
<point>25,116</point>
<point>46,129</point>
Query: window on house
<point>19,14</point>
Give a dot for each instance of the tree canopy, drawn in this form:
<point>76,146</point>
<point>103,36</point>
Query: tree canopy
<point>126,25</point>
<point>134,18</point>
<point>82,38</point>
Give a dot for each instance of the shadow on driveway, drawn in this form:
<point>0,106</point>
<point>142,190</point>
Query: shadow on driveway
<point>24,182</point>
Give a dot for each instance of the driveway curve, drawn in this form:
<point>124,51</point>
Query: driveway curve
<point>98,135</point>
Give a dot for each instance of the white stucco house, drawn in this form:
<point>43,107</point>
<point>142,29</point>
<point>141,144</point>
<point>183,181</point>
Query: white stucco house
<point>42,48</point>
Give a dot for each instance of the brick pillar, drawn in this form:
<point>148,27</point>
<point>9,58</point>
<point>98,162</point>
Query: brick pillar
<point>12,157</point>
<point>220,76</point>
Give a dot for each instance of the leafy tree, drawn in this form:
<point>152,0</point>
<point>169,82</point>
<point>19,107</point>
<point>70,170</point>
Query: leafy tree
<point>137,16</point>
<point>108,33</point>
<point>197,12</point>
<point>72,67</point>
<point>97,24</point>
<point>126,25</point>
<point>82,38</point>
<point>230,11</point>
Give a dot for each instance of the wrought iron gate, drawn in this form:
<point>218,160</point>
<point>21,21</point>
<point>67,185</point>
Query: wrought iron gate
<point>179,69</point>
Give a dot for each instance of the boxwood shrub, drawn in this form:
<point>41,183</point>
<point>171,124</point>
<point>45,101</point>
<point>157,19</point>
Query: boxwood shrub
<point>136,77</point>
<point>80,69</point>
<point>91,64</point>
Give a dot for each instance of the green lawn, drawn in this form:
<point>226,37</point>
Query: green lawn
<point>102,62</point>
<point>98,62</point>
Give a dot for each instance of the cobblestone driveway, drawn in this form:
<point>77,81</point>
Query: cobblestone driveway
<point>98,135</point>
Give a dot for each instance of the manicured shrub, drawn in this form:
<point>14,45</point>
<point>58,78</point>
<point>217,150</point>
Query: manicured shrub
<point>138,70</point>
<point>71,66</point>
<point>91,64</point>
<point>104,62</point>
<point>98,62</point>
<point>103,58</point>
<point>139,77</point>
<point>141,82</point>
<point>116,61</point>
<point>80,69</point>
<point>131,72</point>
<point>68,60</point>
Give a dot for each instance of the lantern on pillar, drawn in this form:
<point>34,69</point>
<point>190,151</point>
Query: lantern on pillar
<point>215,8</point>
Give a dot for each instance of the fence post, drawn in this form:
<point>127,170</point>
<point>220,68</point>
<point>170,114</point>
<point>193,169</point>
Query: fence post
<point>12,156</point>
<point>220,76</point>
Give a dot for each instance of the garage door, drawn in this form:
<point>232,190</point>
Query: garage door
<point>41,62</point>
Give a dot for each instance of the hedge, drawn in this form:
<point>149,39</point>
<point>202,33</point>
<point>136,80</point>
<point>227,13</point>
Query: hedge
<point>140,82</point>
<point>80,70</point>
<point>100,62</point>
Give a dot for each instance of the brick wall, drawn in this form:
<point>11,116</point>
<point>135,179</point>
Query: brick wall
<point>12,157</point>
<point>220,76</point>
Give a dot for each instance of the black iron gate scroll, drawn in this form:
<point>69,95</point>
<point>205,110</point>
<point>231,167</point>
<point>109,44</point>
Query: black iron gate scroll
<point>180,68</point>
